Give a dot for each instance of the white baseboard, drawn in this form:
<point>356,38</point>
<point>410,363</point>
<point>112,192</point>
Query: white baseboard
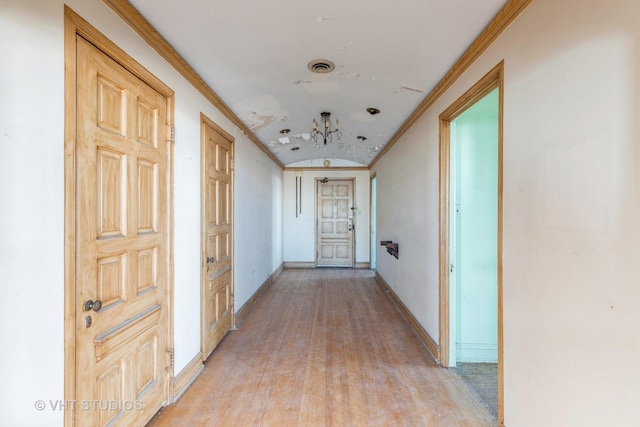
<point>296,264</point>
<point>477,352</point>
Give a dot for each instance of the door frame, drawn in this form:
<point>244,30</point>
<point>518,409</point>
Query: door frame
<point>492,80</point>
<point>206,121</point>
<point>353,203</point>
<point>75,25</point>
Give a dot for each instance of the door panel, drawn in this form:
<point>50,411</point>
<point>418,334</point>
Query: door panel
<point>217,274</point>
<point>335,223</point>
<point>122,239</point>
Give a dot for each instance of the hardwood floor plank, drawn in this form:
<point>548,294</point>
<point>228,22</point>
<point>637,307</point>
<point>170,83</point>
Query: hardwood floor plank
<point>324,347</point>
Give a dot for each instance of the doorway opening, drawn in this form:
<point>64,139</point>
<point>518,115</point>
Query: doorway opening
<point>374,183</point>
<point>471,239</point>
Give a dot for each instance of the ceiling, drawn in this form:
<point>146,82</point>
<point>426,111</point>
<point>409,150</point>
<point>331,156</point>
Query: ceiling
<point>254,54</point>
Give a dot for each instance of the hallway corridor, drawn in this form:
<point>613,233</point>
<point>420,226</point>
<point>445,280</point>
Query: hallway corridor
<point>324,347</point>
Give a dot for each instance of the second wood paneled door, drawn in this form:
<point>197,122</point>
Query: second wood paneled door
<point>217,235</point>
<point>335,223</point>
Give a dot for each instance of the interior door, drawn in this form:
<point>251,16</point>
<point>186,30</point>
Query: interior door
<point>335,223</point>
<point>122,244</point>
<point>217,274</point>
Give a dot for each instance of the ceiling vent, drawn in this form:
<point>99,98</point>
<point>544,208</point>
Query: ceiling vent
<point>321,66</point>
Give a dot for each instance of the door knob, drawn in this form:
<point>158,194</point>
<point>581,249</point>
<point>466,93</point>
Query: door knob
<point>93,305</point>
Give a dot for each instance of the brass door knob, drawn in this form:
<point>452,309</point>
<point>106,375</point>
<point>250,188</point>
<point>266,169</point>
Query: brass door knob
<point>93,305</point>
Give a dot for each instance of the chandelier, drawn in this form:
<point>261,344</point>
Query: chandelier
<point>324,135</point>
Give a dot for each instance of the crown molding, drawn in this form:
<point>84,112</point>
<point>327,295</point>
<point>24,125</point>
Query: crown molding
<point>502,20</point>
<point>149,34</point>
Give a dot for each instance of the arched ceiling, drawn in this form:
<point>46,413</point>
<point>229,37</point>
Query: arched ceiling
<point>254,54</point>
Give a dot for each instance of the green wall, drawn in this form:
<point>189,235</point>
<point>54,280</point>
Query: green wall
<point>475,168</point>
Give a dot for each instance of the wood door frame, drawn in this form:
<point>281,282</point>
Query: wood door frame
<point>206,121</point>
<point>492,80</point>
<point>75,25</point>
<point>353,202</point>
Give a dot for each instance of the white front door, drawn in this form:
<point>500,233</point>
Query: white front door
<point>335,223</point>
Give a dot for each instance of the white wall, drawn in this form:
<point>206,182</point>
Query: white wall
<point>32,208</point>
<point>299,232</point>
<point>258,216</point>
<point>571,203</point>
<point>31,211</point>
<point>407,213</point>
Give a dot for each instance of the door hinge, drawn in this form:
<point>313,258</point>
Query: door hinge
<point>170,359</point>
<point>232,164</point>
<point>171,133</point>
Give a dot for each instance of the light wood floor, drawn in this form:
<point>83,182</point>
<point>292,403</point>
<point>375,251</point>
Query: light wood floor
<point>324,348</point>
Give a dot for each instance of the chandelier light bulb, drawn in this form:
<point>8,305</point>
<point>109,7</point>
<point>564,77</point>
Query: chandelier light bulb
<point>327,134</point>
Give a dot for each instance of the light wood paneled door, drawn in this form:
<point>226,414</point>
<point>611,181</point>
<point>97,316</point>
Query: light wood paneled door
<point>335,223</point>
<point>122,244</point>
<point>217,235</point>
